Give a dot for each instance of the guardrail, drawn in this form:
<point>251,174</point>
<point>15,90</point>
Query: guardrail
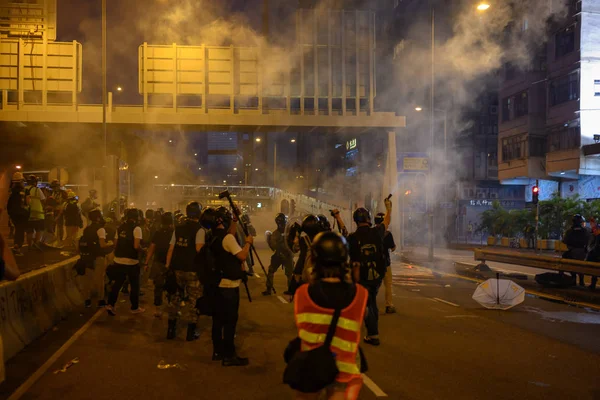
<point>538,261</point>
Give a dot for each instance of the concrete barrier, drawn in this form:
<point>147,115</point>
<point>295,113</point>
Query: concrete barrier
<point>36,302</point>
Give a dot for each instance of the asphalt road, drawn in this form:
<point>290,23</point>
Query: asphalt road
<point>440,345</point>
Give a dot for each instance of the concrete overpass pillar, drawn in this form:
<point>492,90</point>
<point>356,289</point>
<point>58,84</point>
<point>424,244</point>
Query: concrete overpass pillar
<point>390,185</point>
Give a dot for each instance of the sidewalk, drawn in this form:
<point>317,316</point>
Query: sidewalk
<point>445,260</point>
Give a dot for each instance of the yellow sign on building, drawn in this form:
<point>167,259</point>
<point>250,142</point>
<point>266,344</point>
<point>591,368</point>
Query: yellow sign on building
<point>416,164</point>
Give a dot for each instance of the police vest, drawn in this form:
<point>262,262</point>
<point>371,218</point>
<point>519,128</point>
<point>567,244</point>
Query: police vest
<point>184,252</point>
<point>125,242</point>
<point>229,265</point>
<point>313,322</point>
<point>92,241</point>
<point>161,240</point>
<point>35,205</point>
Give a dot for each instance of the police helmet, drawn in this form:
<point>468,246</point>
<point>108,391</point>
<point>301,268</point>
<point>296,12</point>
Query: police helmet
<point>95,215</point>
<point>311,225</point>
<point>324,222</point>
<point>578,219</point>
<point>32,179</point>
<point>167,219</point>
<point>208,218</point>
<point>329,249</point>
<point>379,218</point>
<point>193,210</point>
<point>281,219</point>
<point>362,216</point>
<point>131,214</point>
<point>223,216</point>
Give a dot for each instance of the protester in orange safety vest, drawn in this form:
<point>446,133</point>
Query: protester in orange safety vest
<point>315,305</point>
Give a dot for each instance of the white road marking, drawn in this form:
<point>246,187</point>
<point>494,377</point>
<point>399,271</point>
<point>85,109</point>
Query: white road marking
<point>445,302</point>
<point>21,390</point>
<point>461,316</point>
<point>281,299</point>
<point>372,386</point>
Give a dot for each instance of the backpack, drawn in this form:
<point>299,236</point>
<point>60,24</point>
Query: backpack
<point>206,263</point>
<point>371,255</point>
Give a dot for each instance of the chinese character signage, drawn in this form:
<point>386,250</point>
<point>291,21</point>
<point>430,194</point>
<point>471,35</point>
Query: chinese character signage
<point>351,144</point>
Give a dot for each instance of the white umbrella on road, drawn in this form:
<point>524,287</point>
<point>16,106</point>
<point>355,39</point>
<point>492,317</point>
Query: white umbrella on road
<point>499,294</point>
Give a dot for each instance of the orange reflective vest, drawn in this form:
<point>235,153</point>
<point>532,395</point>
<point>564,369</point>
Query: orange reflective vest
<point>313,323</point>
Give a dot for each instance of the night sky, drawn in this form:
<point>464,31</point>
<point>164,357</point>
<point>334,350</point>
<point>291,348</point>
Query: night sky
<point>130,23</point>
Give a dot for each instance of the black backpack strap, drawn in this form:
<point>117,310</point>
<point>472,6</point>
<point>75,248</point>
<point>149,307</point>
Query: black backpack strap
<point>332,327</point>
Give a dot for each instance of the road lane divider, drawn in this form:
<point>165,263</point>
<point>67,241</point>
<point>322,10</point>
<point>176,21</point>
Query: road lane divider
<point>37,301</point>
<point>368,383</point>
<point>281,299</point>
<point>445,302</point>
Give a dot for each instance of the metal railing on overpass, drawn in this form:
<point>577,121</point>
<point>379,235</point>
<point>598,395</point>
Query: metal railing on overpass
<point>538,261</point>
<point>212,192</point>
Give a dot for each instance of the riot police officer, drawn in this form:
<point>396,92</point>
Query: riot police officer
<point>300,238</point>
<point>97,246</point>
<point>282,255</point>
<point>186,242</point>
<point>229,258</point>
<point>127,264</point>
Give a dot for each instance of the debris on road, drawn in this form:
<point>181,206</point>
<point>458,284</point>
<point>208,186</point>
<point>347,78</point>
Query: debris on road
<point>163,365</point>
<point>540,384</point>
<point>67,365</point>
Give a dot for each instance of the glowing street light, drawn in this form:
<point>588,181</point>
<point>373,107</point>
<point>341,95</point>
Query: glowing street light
<point>235,169</point>
<point>172,184</point>
<point>258,140</point>
<point>256,169</point>
<point>195,154</point>
<point>155,176</point>
<point>418,108</point>
<point>119,89</point>
<point>293,141</point>
<point>18,167</point>
<point>483,6</point>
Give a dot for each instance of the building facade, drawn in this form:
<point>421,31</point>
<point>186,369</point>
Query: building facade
<point>550,112</point>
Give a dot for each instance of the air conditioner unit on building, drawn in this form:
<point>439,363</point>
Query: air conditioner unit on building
<point>494,110</point>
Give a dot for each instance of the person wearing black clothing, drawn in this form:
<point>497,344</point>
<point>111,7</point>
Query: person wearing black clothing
<point>187,240</point>
<point>18,211</point>
<point>127,264</point>
<point>159,248</point>
<point>577,239</point>
<point>96,247</point>
<point>301,243</point>
<point>229,257</point>
<point>282,255</point>
<point>388,245</point>
<point>368,260</point>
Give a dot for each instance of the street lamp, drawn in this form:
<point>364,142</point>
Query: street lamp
<point>258,140</point>
<point>155,176</point>
<point>483,6</point>
<point>235,169</point>
<point>293,141</point>
<point>119,89</point>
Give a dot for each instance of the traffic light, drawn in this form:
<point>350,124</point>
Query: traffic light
<point>535,193</point>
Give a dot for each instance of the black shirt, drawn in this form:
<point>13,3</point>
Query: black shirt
<point>161,240</point>
<point>332,294</point>
<point>366,237</point>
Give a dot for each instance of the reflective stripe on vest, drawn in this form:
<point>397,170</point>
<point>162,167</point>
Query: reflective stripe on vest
<point>313,323</point>
<point>325,319</point>
<point>35,205</point>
